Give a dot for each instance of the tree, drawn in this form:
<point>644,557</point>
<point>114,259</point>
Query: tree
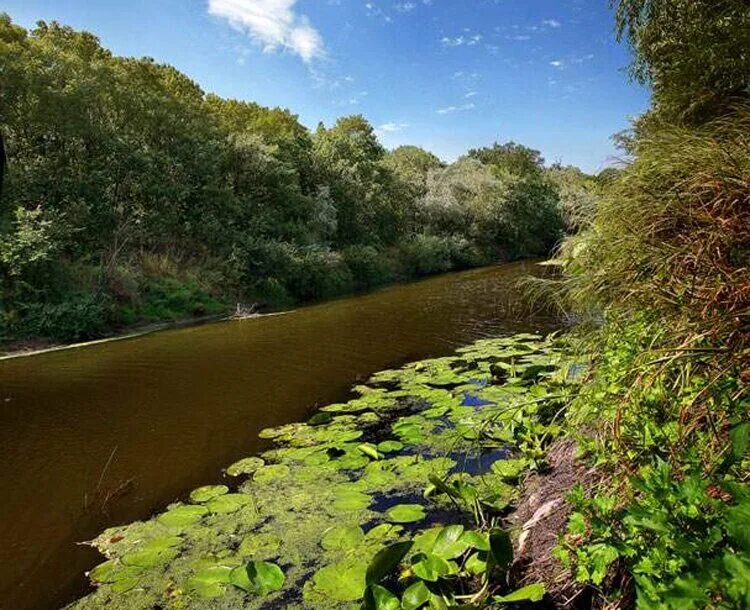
<point>694,53</point>
<point>511,157</point>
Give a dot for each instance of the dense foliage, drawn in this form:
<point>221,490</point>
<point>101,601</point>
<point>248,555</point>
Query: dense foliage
<point>130,195</point>
<point>665,262</point>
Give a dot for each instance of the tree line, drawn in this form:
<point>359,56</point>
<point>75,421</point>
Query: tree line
<point>131,195</point>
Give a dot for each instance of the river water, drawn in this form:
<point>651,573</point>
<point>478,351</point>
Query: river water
<point>110,433</point>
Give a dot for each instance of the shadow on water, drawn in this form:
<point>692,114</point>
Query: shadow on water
<point>108,434</point>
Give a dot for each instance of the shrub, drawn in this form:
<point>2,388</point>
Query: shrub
<point>369,267</point>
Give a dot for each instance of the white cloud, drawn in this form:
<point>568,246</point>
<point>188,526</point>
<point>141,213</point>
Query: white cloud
<point>273,24</point>
<point>450,109</point>
<point>558,63</point>
<point>392,127</point>
<point>552,23</point>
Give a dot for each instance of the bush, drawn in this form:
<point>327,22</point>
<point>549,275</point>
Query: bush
<point>369,267</point>
<point>319,274</point>
<point>425,254</point>
<point>77,318</point>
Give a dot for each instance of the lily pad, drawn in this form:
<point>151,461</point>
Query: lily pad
<point>273,472</point>
<point>405,513</point>
<point>258,577</point>
<point>343,581</point>
<point>183,515</point>
<point>350,500</point>
<point>229,503</point>
<point>210,582</point>
<point>342,537</point>
<point>245,466</point>
<point>209,492</point>
<point>390,446</point>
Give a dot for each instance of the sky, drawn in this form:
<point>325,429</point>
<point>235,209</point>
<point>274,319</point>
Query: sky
<point>447,75</point>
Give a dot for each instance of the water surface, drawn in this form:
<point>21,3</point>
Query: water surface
<point>108,434</point>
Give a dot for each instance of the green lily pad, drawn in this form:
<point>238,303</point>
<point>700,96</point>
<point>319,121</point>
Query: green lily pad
<point>343,581</point>
<point>245,466</point>
<point>350,500</point>
<point>228,503</point>
<point>209,492</point>
<point>182,515</point>
<point>390,446</point>
<point>342,537</point>
<point>258,577</point>
<point>405,513</point>
<point>273,472</point>
<point>156,552</point>
<point>210,582</point>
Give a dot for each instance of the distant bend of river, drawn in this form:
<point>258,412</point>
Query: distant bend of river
<point>110,433</point>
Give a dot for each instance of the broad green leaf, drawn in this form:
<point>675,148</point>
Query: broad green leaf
<point>405,513</point>
<point>209,492</point>
<point>431,567</point>
<point>343,581</point>
<point>183,515</point>
<point>449,543</point>
<point>415,596</point>
<point>380,598</point>
<point>347,500</point>
<point>529,593</point>
<point>342,537</point>
<point>386,560</point>
<point>229,503</point>
<point>245,466</point>
<point>258,577</point>
<point>476,540</point>
<point>390,446</point>
<point>210,582</point>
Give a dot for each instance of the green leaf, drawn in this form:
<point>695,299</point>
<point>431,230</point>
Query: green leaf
<point>738,525</point>
<point>229,503</point>
<point>476,540</point>
<point>529,593</point>
<point>258,577</point>
<point>370,451</point>
<point>740,437</point>
<point>245,466</point>
<point>380,598</point>
<point>477,563</point>
<point>501,548</point>
<point>342,537</point>
<point>347,500</point>
<point>415,596</point>
<point>210,582</point>
<point>449,543</point>
<point>209,492</point>
<point>183,515</point>
<point>390,446</point>
<point>431,567</point>
<point>343,581</point>
<point>405,513</point>
<point>386,560</point>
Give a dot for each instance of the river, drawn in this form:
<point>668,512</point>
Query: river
<point>109,433</point>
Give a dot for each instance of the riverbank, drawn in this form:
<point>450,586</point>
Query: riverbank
<point>429,452</point>
<point>17,348</point>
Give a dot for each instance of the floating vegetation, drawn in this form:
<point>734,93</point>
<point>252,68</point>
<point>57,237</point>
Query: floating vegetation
<point>325,517</point>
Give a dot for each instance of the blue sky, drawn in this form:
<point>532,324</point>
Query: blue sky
<point>444,74</point>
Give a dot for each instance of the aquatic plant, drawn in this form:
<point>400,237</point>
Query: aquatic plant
<point>423,459</point>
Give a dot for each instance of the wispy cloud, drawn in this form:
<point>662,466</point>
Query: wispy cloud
<point>450,109</point>
<point>391,127</point>
<point>273,24</point>
<point>552,23</point>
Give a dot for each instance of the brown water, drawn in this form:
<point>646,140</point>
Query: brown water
<point>107,434</point>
